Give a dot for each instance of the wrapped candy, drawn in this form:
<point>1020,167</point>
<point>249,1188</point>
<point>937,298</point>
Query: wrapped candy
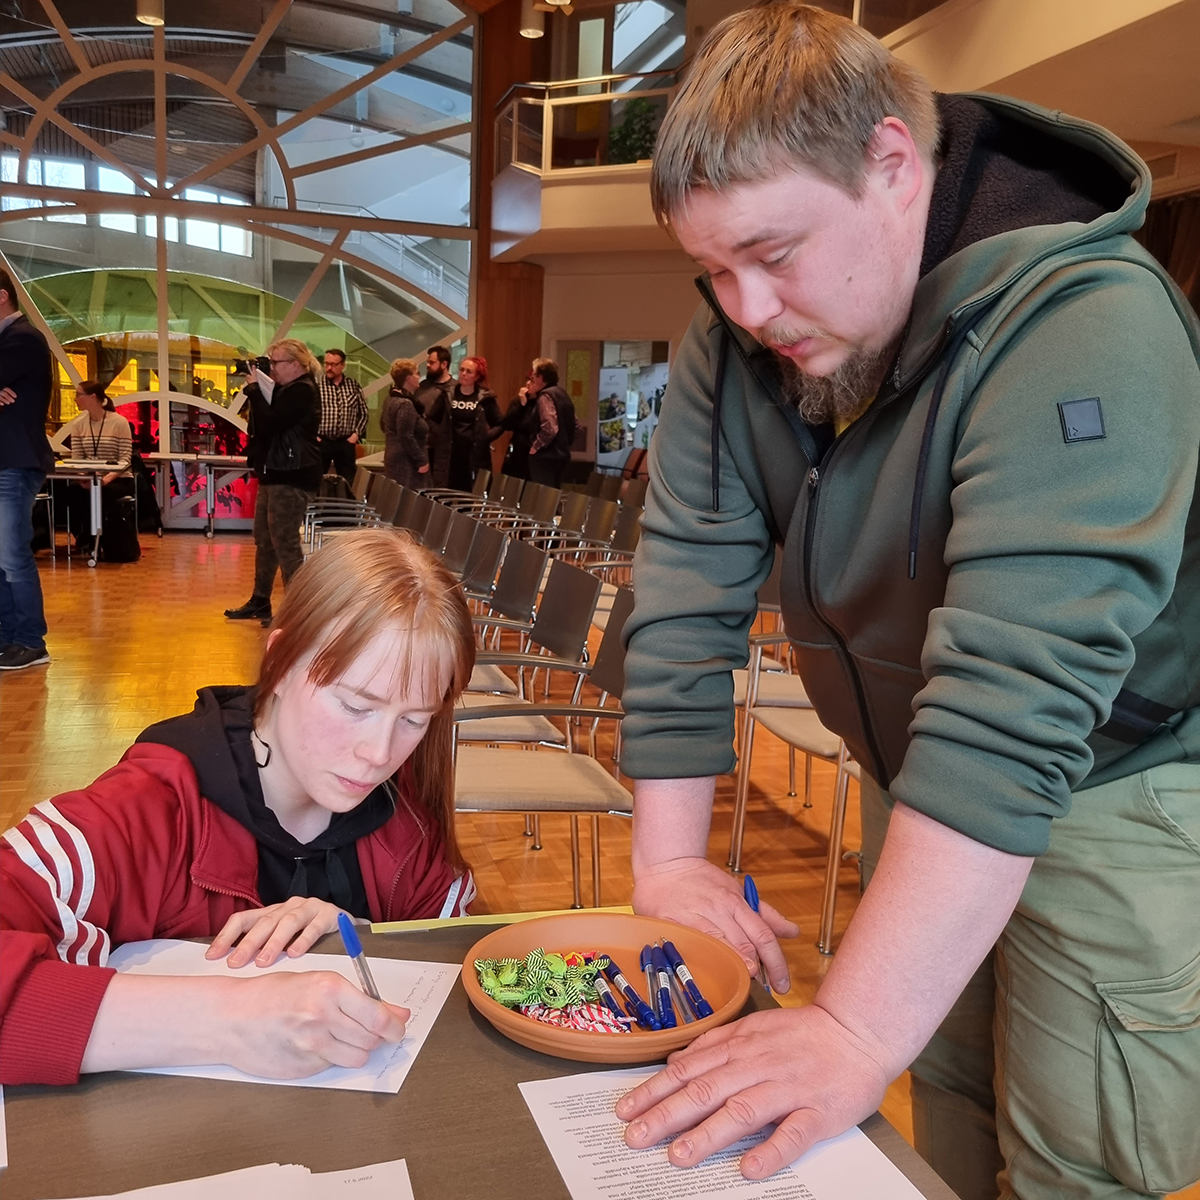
<point>554,988</point>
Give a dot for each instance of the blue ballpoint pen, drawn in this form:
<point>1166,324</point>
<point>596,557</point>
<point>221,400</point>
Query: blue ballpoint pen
<point>698,1002</point>
<point>357,957</point>
<point>647,969</point>
<point>638,1008</point>
<point>751,894</point>
<point>666,1010</point>
<point>608,996</point>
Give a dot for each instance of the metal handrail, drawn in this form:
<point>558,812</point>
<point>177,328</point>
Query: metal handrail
<point>550,85</point>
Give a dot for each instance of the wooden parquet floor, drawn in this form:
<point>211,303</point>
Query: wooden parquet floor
<point>131,643</point>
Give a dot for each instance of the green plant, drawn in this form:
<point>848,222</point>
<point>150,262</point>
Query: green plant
<point>633,139</point>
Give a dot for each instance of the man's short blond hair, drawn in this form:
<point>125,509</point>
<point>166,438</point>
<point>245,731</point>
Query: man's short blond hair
<point>297,351</point>
<point>784,84</point>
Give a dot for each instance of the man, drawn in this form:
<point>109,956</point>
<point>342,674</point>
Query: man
<point>550,450</point>
<point>343,417</point>
<point>433,403</point>
<point>936,374</point>
<point>25,460</point>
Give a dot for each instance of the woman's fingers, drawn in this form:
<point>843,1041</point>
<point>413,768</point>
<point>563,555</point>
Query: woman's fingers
<point>233,929</point>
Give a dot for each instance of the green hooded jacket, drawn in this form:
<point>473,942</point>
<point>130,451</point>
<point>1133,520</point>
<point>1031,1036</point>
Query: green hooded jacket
<point>992,578</point>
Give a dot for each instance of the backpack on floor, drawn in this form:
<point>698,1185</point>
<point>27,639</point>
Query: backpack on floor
<point>119,536</point>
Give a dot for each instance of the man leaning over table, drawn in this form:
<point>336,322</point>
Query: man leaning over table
<point>25,461</point>
<point>934,372</point>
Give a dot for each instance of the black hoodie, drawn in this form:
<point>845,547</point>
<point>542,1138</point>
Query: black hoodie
<point>215,737</point>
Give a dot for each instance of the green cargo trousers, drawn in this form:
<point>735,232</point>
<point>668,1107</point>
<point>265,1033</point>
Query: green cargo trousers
<point>1070,1065</point>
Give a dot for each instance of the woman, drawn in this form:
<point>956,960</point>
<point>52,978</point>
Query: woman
<point>406,436</point>
<point>285,411</point>
<point>257,818</point>
<point>474,423</point>
<point>96,434</point>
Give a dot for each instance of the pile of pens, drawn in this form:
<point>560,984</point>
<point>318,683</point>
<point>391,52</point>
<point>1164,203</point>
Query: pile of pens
<point>671,991</point>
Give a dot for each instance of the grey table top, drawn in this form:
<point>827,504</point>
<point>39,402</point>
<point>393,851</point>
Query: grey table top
<point>459,1119</point>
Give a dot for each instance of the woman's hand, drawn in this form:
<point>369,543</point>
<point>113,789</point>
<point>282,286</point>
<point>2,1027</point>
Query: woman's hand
<point>265,933</point>
<point>110,477</point>
<point>423,470</point>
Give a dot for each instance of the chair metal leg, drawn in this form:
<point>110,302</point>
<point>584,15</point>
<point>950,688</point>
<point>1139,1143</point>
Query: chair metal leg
<point>833,860</point>
<point>743,791</point>
<point>537,832</point>
<point>791,770</point>
<point>808,781</point>
<point>528,825</point>
<point>595,860</point>
<point>576,887</point>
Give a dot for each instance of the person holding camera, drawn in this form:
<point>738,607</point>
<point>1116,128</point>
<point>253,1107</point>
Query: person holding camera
<point>285,410</point>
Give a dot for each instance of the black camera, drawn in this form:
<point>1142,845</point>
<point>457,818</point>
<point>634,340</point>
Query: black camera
<point>245,366</point>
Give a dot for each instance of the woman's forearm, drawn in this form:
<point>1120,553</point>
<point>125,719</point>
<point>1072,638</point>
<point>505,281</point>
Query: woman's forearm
<point>935,906</point>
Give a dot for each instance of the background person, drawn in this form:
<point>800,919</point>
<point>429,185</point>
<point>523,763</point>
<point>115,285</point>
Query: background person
<point>474,422</point>
<point>286,461</point>
<point>256,818</point>
<point>936,374</point>
<point>343,417</point>
<point>97,433</point>
<point>406,436</point>
<point>550,450</point>
<point>433,403</point>
<point>25,461</point>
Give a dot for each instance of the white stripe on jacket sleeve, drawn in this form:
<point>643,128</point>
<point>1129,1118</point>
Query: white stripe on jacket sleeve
<point>49,826</point>
<point>461,893</point>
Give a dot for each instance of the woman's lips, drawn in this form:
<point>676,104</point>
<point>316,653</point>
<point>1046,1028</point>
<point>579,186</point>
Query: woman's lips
<point>354,785</point>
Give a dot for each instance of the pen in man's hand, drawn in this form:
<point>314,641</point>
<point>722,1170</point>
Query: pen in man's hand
<point>354,948</point>
<point>751,894</point>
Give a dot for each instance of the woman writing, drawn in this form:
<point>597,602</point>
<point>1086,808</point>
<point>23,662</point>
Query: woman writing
<point>285,411</point>
<point>256,818</point>
<point>406,436</point>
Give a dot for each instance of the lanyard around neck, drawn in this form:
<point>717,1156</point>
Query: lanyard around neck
<point>94,436</point>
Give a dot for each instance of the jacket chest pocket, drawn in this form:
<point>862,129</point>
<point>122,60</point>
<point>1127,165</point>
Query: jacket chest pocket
<point>1148,1080</point>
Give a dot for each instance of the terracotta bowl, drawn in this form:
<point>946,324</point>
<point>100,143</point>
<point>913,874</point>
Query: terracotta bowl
<point>717,969</point>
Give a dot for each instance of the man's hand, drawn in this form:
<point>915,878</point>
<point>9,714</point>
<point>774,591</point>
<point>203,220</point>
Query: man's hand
<point>423,470</point>
<point>7,396</point>
<point>797,1066</point>
<point>697,893</point>
<point>294,925</point>
<point>353,439</point>
<point>287,1026</point>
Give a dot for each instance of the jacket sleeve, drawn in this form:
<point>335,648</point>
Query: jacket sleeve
<point>547,422</point>
<point>80,874</point>
<point>359,404</point>
<point>696,578</point>
<point>1060,553</point>
<point>430,885</point>
<point>405,424</point>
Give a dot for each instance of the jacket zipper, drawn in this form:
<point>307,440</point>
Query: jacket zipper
<point>810,520</point>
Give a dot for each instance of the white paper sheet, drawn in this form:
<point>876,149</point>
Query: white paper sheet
<point>266,384</point>
<point>586,1139</point>
<point>382,1181</point>
<point>419,986</point>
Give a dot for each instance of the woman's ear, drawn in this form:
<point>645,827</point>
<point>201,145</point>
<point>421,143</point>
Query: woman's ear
<point>272,637</point>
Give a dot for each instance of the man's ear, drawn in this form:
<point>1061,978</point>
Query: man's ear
<point>895,162</point>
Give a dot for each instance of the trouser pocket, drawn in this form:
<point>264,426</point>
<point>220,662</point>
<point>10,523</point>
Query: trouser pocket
<point>1148,1080</point>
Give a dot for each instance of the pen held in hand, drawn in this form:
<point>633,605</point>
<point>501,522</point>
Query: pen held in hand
<point>354,949</point>
<point>750,891</point>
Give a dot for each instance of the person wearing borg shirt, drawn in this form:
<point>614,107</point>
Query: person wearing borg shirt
<point>343,417</point>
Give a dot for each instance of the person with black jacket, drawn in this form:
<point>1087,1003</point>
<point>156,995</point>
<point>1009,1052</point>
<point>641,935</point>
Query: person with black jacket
<point>25,460</point>
<point>474,420</point>
<point>285,411</point>
<point>405,456</point>
<point>551,448</point>
<point>432,402</point>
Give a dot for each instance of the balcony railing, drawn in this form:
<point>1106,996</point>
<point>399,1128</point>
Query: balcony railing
<point>603,121</point>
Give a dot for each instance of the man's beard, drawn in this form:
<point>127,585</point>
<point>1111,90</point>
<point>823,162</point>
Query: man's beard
<point>842,393</point>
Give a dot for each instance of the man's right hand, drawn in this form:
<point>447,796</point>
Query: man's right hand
<point>288,1026</point>
<point>700,894</point>
<point>7,396</point>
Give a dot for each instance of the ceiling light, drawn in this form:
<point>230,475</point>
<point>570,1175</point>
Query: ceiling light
<point>533,24</point>
<point>150,12</point>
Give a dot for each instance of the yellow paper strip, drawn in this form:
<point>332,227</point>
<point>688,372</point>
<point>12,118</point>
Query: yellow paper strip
<point>483,919</point>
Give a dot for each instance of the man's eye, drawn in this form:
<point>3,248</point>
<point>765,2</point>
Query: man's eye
<point>779,261</point>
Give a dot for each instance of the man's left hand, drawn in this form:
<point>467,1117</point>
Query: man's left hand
<point>353,439</point>
<point>798,1067</point>
<point>7,396</point>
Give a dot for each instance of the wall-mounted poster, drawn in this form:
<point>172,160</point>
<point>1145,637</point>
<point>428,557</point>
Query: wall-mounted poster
<point>614,393</point>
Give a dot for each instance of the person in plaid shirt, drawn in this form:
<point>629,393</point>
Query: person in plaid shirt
<point>343,417</point>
